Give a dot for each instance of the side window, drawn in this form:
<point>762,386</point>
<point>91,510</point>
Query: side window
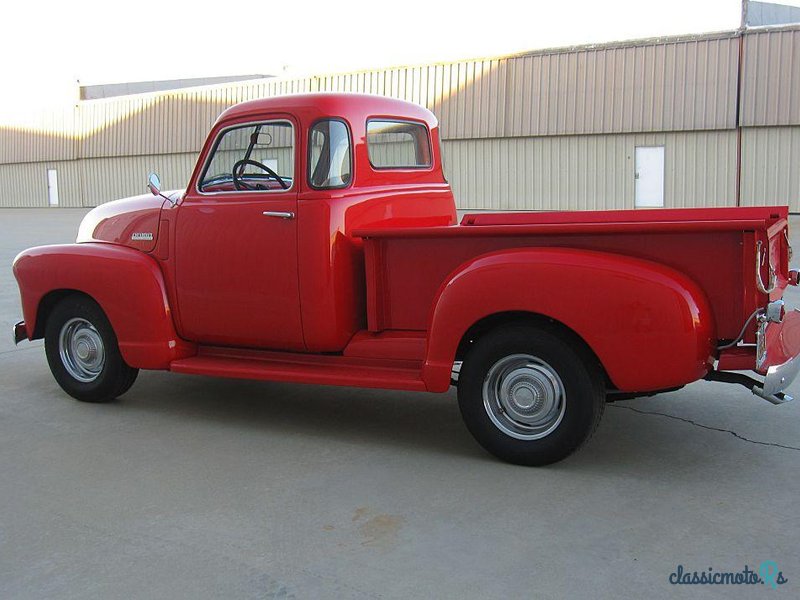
<point>398,145</point>
<point>252,157</point>
<point>329,162</point>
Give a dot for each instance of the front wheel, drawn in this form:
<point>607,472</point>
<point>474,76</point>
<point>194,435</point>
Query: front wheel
<point>82,352</point>
<point>530,395</point>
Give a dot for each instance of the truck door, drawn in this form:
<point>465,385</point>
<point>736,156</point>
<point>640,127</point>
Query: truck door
<point>236,241</point>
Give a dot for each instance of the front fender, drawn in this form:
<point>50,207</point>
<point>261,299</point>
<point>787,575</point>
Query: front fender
<point>126,283</point>
<point>651,326</point>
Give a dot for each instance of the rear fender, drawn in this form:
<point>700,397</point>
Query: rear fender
<point>126,283</point>
<point>649,325</point>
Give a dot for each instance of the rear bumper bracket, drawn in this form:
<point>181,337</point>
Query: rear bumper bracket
<point>20,332</point>
<point>771,389</point>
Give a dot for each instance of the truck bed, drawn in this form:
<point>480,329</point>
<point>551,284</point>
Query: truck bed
<point>405,266</point>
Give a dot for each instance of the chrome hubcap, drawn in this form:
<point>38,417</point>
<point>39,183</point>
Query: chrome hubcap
<point>524,397</point>
<point>81,349</point>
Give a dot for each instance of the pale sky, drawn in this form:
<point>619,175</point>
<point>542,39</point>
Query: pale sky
<point>47,46</point>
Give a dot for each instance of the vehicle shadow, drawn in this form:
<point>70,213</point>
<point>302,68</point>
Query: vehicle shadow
<point>431,423</point>
<point>369,417</point>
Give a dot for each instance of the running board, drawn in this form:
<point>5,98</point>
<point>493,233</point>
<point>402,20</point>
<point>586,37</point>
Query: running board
<point>303,368</point>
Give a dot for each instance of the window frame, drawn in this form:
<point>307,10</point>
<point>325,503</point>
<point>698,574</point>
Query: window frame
<point>422,124</point>
<point>352,151</point>
<point>217,141</point>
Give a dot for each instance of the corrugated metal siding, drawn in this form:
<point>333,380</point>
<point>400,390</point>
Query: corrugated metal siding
<point>563,172</point>
<point>106,179</point>
<point>25,184</point>
<point>93,181</point>
<point>666,87</point>
<point>771,78</point>
<point>51,137</point>
<point>672,85</point>
<point>588,172</point>
<point>771,166</point>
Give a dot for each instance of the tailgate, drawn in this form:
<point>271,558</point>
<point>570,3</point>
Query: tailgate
<point>770,339</point>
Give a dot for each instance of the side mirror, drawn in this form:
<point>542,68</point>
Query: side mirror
<point>154,184</point>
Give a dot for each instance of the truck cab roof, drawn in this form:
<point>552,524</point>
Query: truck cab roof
<point>391,142</point>
<point>348,106</point>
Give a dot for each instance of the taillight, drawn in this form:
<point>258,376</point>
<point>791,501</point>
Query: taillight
<point>775,311</point>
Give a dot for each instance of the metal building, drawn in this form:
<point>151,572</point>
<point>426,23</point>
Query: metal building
<point>704,120</point>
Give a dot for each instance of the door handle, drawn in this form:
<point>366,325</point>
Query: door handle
<point>278,214</point>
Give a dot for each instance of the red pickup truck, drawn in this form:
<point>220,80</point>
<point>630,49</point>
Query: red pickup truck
<point>317,241</point>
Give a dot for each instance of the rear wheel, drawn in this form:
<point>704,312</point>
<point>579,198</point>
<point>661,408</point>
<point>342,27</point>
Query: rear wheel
<point>530,395</point>
<point>82,351</point>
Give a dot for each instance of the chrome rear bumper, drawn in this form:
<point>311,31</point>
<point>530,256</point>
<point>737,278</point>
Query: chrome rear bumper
<point>20,332</point>
<point>777,379</point>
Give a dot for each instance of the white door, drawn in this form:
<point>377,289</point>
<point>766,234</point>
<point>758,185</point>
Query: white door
<point>649,176</point>
<point>52,187</point>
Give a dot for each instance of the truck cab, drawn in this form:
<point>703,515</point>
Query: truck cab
<point>317,241</point>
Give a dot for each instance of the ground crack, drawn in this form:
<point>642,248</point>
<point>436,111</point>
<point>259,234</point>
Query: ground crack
<point>733,433</point>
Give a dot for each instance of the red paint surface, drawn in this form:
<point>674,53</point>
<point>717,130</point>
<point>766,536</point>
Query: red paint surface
<point>633,314</point>
<point>126,283</point>
<point>116,222</point>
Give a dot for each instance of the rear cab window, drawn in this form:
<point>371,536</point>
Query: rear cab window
<point>398,144</point>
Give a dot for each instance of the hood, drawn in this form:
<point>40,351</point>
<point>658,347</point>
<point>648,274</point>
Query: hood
<point>131,222</point>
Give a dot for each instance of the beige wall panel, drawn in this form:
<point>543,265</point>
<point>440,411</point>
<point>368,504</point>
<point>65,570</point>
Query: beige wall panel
<point>467,97</point>
<point>25,184</point>
<point>673,86</point>
<point>174,122</point>
<point>49,137</point>
<point>147,124</point>
<point>549,173</point>
<point>93,181</point>
<point>771,166</point>
<point>771,78</point>
<point>106,179</point>
<point>588,172</point>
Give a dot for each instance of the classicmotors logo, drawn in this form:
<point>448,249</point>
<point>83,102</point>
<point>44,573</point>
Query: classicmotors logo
<point>767,574</point>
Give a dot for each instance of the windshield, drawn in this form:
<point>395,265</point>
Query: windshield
<point>252,157</point>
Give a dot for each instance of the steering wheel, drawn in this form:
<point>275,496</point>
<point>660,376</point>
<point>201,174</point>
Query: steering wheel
<point>238,169</point>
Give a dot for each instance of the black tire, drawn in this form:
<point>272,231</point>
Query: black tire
<point>570,422</point>
<point>114,378</point>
